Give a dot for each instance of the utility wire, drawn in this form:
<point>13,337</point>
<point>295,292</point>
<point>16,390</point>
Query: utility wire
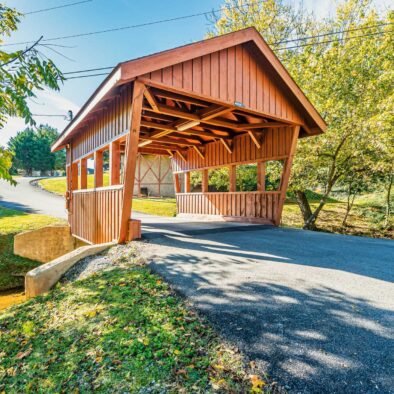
<point>278,49</point>
<point>57,7</point>
<point>131,26</point>
<point>332,33</point>
<point>338,39</point>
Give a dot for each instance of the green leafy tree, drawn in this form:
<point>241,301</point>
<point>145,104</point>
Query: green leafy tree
<point>348,79</point>
<point>22,73</point>
<point>31,150</point>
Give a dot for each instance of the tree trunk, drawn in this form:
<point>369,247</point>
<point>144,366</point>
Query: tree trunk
<point>388,202</point>
<point>306,210</point>
<point>349,206</point>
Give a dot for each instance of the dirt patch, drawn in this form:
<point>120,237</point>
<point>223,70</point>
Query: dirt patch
<point>11,297</point>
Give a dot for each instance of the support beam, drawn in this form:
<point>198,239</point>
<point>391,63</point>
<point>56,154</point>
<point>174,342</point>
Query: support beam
<point>131,158</point>
<point>199,152</point>
<point>286,175</point>
<point>187,125</point>
<point>144,143</point>
<point>204,184</point>
<point>74,176</point>
<point>254,138</point>
<point>233,178</point>
<point>114,163</point>
<point>182,156</point>
<point>261,176</point>
<point>151,100</point>
<point>226,145</point>
<point>177,183</point>
<point>187,182</point>
<point>265,125</point>
<point>83,168</point>
<point>98,168</point>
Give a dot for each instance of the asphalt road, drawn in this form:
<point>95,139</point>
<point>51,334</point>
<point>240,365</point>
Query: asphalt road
<point>314,310</point>
<point>27,198</point>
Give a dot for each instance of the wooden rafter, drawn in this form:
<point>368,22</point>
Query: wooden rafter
<point>254,138</point>
<point>226,145</point>
<point>199,152</point>
<point>182,156</point>
<point>180,141</point>
<point>151,100</point>
<point>263,125</point>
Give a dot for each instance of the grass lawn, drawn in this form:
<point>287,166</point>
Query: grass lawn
<point>117,331</point>
<point>366,217</point>
<point>12,268</point>
<point>58,185</point>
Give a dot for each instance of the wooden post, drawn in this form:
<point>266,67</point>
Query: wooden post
<point>83,168</point>
<point>98,168</point>
<point>74,176</point>
<point>233,178</point>
<point>204,185</point>
<point>131,158</point>
<point>114,163</point>
<point>286,175</point>
<point>261,176</point>
<point>187,182</point>
<point>177,183</point>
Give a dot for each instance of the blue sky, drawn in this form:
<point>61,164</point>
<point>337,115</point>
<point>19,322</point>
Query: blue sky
<point>108,49</point>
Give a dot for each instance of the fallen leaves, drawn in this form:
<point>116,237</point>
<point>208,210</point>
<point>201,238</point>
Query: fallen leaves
<point>257,384</point>
<point>22,355</point>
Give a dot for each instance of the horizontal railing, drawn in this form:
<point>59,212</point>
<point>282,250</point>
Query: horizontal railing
<point>250,205</point>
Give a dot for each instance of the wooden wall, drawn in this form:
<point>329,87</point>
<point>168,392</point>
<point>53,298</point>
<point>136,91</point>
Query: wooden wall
<point>249,206</point>
<point>95,214</point>
<point>275,145</point>
<point>108,124</point>
<point>231,75</point>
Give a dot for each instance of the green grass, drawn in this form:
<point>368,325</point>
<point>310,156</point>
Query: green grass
<point>12,267</point>
<point>155,206</point>
<point>59,186</point>
<point>118,331</point>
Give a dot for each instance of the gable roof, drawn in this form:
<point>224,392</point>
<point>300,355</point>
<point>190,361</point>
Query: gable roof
<point>129,70</point>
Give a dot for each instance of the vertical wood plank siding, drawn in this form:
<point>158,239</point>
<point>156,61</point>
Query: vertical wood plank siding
<point>109,123</point>
<point>253,206</point>
<point>231,74</point>
<point>276,144</point>
<point>95,214</point>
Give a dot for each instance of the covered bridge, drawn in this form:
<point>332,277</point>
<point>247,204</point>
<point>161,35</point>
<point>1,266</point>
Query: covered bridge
<point>218,103</point>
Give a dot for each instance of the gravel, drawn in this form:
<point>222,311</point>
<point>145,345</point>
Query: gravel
<point>120,256</point>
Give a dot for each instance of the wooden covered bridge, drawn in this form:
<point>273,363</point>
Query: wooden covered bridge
<point>223,102</point>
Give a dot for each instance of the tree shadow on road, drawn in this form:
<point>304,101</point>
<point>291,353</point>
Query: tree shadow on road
<point>313,338</point>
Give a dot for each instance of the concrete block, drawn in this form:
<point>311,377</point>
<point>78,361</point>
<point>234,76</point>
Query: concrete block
<point>41,279</point>
<point>45,244</point>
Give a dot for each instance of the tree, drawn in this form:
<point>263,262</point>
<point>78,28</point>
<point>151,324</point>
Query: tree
<point>22,73</point>
<point>348,79</point>
<point>31,150</point>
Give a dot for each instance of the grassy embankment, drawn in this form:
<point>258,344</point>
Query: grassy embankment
<point>122,330</point>
<point>366,217</point>
<point>12,267</point>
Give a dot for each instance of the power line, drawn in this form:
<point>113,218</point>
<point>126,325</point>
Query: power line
<point>57,7</point>
<point>131,26</point>
<point>339,39</point>
<point>88,70</point>
<point>86,76</point>
<point>332,33</point>
<point>279,49</point>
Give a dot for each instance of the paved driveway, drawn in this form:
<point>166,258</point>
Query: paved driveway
<point>314,310</point>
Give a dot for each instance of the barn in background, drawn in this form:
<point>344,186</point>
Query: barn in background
<point>220,106</point>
